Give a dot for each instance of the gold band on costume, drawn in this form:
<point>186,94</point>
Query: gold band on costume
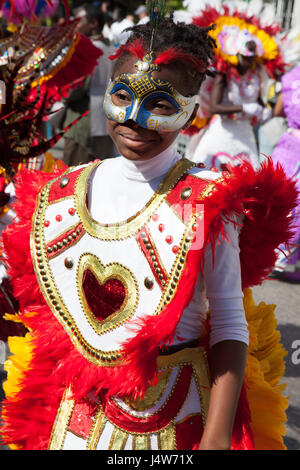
<point>152,403</point>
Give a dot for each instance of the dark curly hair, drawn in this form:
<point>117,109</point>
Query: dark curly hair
<point>189,38</point>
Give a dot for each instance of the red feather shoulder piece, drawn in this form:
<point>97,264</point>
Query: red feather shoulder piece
<point>265,199</point>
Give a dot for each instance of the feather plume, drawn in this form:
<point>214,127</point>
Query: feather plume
<point>156,11</point>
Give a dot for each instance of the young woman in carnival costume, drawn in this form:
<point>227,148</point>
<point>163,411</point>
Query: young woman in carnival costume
<point>287,153</point>
<point>38,66</point>
<point>112,263</point>
<point>247,60</point>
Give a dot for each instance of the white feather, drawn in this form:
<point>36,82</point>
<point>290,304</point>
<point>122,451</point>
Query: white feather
<point>255,7</point>
<point>182,16</point>
<point>268,15</point>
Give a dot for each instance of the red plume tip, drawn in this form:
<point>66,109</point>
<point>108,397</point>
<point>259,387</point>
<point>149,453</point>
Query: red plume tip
<point>174,54</point>
<point>135,48</point>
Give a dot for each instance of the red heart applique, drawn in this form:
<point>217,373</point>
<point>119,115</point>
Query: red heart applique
<point>103,299</point>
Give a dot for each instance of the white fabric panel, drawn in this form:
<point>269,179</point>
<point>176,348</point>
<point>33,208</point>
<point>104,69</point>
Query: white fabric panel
<point>56,228</point>
<point>192,403</point>
<point>73,442</point>
<point>105,436</point>
<point>173,227</point>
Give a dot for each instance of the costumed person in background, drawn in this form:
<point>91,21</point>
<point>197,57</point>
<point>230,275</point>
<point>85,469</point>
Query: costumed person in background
<point>38,66</point>
<point>15,11</point>
<point>119,35</point>
<point>89,138</point>
<point>287,153</point>
<point>142,14</point>
<point>231,104</point>
<point>120,352</point>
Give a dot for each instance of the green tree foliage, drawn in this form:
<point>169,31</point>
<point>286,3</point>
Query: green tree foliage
<point>171,4</point>
<point>174,4</point>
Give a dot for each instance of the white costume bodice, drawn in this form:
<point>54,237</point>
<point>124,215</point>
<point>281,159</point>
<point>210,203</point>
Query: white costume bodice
<point>95,248</point>
<point>126,186</point>
<point>242,89</point>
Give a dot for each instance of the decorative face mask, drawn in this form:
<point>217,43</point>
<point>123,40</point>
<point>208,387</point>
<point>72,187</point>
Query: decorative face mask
<point>143,89</point>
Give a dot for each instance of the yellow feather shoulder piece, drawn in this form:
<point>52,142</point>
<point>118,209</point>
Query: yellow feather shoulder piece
<point>17,364</point>
<point>264,371</point>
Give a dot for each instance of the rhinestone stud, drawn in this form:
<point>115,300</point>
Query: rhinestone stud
<point>69,262</point>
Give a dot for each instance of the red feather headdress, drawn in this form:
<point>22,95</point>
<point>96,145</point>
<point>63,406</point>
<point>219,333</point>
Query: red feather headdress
<point>172,54</point>
<point>264,35</point>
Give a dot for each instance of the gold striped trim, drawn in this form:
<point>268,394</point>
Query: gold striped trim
<point>141,442</point>
<point>96,431</point>
<point>61,423</point>
<point>118,439</point>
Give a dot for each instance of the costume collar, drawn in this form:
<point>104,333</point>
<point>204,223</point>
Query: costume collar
<point>147,170</point>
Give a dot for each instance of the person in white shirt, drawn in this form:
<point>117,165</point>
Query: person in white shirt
<point>142,13</point>
<point>89,138</point>
<point>118,34</point>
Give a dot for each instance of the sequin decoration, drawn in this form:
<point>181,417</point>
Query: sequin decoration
<point>103,299</point>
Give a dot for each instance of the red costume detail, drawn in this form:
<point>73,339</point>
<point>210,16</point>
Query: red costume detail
<point>135,48</point>
<point>146,246</point>
<point>103,300</point>
<point>59,190</point>
<point>69,237</point>
<point>158,420</point>
<point>173,54</point>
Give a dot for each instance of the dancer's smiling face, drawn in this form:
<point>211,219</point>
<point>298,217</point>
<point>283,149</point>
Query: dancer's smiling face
<point>135,142</point>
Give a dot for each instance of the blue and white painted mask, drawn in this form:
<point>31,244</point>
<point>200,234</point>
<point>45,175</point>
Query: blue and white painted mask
<point>143,88</point>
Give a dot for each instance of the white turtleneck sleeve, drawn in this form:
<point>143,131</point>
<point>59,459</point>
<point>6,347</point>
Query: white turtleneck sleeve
<point>223,289</point>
